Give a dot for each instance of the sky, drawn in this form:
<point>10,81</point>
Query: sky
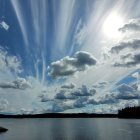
<point>69,56</point>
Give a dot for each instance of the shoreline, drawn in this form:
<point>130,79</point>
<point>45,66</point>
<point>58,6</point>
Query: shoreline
<point>60,115</point>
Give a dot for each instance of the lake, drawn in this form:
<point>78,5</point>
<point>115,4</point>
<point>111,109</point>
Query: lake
<point>71,129</point>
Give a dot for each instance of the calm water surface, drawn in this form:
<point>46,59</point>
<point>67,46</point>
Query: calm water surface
<point>71,129</point>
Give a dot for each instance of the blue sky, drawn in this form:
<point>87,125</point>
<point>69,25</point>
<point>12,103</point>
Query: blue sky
<point>69,55</point>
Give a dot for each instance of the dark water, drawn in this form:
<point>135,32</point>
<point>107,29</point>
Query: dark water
<point>71,129</point>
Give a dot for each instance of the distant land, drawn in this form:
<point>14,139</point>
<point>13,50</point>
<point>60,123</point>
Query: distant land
<point>129,112</point>
<point>60,115</point>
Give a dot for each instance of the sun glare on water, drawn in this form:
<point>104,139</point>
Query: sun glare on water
<point>111,25</point>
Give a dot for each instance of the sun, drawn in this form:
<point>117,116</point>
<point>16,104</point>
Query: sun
<point>111,25</point>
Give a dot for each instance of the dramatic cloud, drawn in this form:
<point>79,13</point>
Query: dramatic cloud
<point>4,25</point>
<point>83,91</point>
<point>75,98</point>
<point>68,86</point>
<point>19,83</point>
<point>3,104</point>
<point>81,102</point>
<point>128,60</point>
<point>81,98</point>
<point>62,95</point>
<point>70,65</point>
<point>75,94</point>
<point>123,92</point>
<point>127,92</point>
<point>132,25</point>
<point>128,96</point>
<point>133,44</point>
<point>85,100</point>
<point>128,53</point>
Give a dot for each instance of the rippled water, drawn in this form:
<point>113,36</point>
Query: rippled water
<point>71,129</point>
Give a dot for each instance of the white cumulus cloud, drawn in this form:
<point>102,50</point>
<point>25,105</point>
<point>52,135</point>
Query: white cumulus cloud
<point>70,65</point>
<point>132,25</point>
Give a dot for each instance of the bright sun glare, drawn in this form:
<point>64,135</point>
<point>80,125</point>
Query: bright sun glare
<point>111,25</point>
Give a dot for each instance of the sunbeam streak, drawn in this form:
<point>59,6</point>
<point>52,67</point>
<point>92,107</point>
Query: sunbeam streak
<point>17,8</point>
